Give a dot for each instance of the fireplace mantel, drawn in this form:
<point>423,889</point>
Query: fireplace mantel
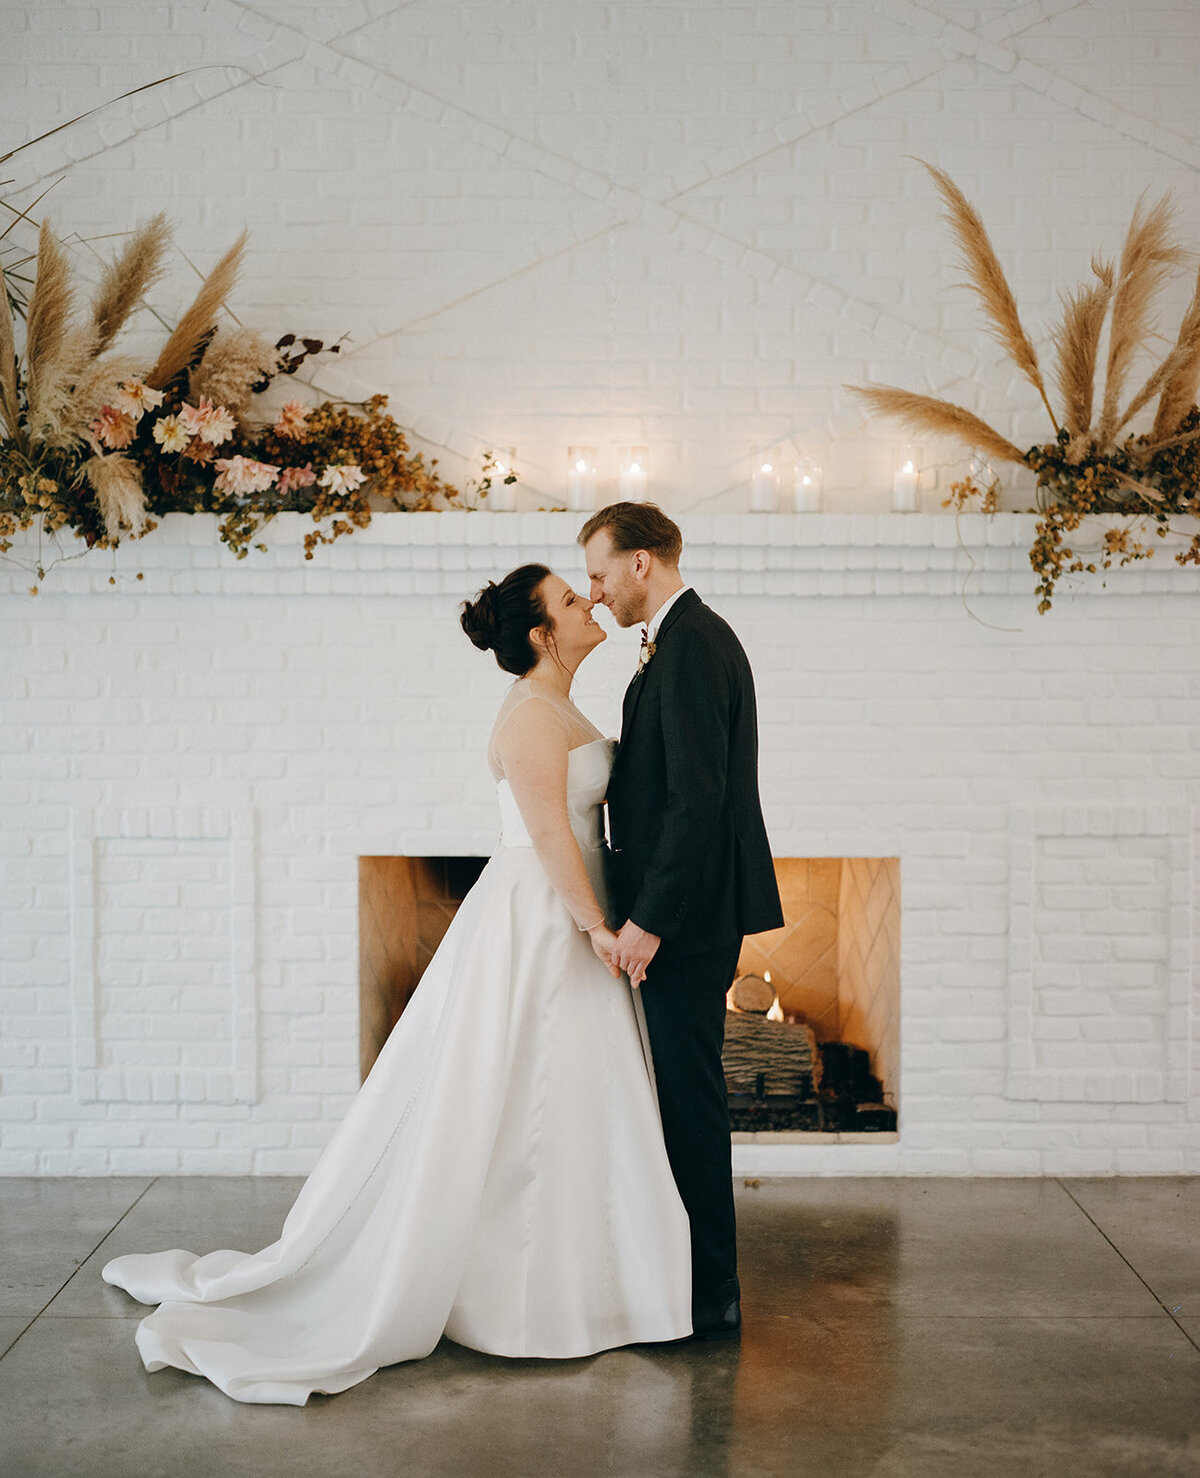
<point>826,554</point>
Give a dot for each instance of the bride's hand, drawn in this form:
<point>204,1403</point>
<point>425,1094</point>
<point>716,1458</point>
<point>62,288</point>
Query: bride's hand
<point>604,941</point>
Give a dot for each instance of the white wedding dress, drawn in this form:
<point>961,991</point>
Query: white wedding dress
<point>500,1177</point>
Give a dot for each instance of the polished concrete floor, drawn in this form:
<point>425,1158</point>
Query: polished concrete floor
<point>893,1327</point>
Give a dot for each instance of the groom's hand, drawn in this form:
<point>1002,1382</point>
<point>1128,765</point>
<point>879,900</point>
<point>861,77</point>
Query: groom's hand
<point>634,951</point>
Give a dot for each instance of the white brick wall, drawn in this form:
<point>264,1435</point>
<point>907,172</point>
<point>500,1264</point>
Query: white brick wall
<point>204,755</point>
<point>677,224</point>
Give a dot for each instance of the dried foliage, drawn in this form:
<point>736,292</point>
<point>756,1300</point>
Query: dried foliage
<point>200,320</point>
<point>1087,468</point>
<point>986,276</point>
<point>334,435</point>
<point>96,384</point>
<point>90,440</point>
<point>235,361</point>
<point>10,415</point>
<point>941,417</point>
<point>47,326</point>
<point>117,483</point>
<point>51,411</point>
<point>1148,256</point>
<point>968,490</point>
<point>127,279</point>
<point>1179,391</point>
<point>1077,340</point>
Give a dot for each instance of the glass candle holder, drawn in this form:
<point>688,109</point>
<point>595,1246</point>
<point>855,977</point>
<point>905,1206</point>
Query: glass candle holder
<point>632,462</point>
<point>906,478</point>
<point>764,481</point>
<point>581,478</point>
<point>502,494</point>
<point>807,486</point>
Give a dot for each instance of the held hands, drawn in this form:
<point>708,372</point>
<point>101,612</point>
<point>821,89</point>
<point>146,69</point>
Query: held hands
<point>634,949</point>
<point>604,942</point>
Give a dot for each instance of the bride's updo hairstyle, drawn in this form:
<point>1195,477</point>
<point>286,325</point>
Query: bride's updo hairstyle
<point>501,617</point>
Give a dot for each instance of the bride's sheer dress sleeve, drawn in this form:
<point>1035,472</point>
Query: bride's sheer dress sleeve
<point>529,748</point>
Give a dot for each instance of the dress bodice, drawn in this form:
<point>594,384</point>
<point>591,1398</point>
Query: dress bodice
<point>588,767</point>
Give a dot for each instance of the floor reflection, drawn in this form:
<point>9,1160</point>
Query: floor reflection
<point>820,1340</point>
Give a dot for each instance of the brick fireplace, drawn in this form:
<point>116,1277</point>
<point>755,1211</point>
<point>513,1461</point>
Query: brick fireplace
<point>835,963</point>
<point>194,763</point>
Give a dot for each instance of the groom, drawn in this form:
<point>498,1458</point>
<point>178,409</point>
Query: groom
<point>693,864</point>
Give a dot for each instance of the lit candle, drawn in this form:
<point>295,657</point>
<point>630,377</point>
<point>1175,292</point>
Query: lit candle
<point>581,478</point>
<point>806,486</point>
<point>904,484</point>
<point>764,484</point>
<point>502,494</point>
<point>631,476</point>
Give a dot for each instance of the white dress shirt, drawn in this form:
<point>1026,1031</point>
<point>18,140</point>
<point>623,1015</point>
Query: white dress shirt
<point>656,620</point>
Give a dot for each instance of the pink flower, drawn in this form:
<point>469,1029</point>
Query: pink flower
<point>211,423</point>
<point>114,428</point>
<point>343,478</point>
<point>171,434</point>
<point>296,477</point>
<point>137,398</point>
<point>243,475</point>
<point>293,419</point>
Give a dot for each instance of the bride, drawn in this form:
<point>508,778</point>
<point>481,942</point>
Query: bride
<point>500,1177</point>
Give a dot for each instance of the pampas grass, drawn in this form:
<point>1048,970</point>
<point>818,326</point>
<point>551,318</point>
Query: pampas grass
<point>1077,341</point>
<point>96,385</point>
<point>117,483</point>
<point>199,320</point>
<point>10,413</point>
<point>986,276</point>
<point>68,377</point>
<point>1123,298</point>
<point>1147,258</point>
<point>1179,391</point>
<point>52,408</point>
<point>46,325</point>
<point>233,363</point>
<point>127,278</point>
<point>924,413</point>
<point>1158,378</point>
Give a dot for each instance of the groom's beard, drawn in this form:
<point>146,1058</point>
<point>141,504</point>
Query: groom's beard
<point>624,611</point>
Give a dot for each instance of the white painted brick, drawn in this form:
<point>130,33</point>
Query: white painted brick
<point>699,325</point>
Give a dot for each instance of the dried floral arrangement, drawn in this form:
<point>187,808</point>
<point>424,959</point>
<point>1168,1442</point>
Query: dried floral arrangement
<point>1095,463</point>
<point>96,442</point>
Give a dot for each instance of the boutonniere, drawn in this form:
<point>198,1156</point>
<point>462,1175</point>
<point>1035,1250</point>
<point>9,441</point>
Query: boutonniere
<point>647,651</point>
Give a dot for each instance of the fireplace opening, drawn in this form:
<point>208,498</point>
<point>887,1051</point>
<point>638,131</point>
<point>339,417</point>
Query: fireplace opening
<point>813,1031</point>
<point>405,905</point>
<point>814,1046</point>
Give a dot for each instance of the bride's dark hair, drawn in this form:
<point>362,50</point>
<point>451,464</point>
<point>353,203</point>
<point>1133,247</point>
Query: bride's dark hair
<point>502,615</point>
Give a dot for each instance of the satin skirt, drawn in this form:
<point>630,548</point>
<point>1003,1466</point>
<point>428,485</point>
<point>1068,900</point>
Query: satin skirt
<point>500,1178</point>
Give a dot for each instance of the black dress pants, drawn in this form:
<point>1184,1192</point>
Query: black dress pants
<point>684,999</point>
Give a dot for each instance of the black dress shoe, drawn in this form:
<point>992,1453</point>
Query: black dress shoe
<point>718,1315</point>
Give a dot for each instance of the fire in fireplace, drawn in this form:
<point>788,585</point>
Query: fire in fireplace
<point>813,1037</point>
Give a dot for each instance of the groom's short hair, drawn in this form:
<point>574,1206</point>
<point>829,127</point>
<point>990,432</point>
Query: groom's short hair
<point>637,526</point>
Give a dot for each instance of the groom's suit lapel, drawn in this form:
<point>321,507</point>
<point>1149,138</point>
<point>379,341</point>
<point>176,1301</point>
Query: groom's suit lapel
<point>637,684</point>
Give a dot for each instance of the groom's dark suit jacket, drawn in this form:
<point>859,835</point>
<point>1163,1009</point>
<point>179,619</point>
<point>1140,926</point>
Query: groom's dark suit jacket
<point>692,860</point>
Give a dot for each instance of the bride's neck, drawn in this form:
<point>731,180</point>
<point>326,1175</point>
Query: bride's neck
<point>553,675</point>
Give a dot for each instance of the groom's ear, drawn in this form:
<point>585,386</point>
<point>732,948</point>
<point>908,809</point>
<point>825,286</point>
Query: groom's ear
<point>641,563</point>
